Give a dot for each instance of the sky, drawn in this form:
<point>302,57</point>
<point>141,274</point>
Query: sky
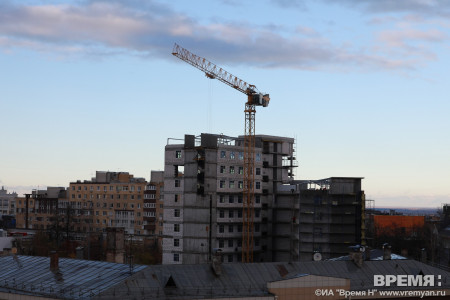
<point>361,85</point>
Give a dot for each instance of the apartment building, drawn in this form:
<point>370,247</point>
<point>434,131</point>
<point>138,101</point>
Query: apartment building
<point>153,205</point>
<point>110,199</point>
<point>203,195</point>
<point>42,209</point>
<point>7,202</point>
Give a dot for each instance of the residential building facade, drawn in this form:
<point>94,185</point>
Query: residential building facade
<point>153,205</point>
<point>7,202</point>
<point>110,199</point>
<point>42,209</point>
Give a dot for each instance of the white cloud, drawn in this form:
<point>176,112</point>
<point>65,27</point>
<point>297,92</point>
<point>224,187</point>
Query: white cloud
<point>99,27</point>
<point>422,7</point>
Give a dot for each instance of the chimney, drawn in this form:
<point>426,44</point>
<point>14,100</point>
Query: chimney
<point>367,253</point>
<point>423,255</point>
<point>54,261</point>
<point>386,251</point>
<point>404,252</point>
<point>217,261</point>
<point>80,252</point>
<point>356,255</point>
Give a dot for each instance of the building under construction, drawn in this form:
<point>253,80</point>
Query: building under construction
<point>292,220</point>
<point>318,219</point>
<point>203,196</point>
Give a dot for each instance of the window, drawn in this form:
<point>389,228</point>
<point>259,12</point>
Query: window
<point>256,242</point>
<point>176,242</point>
<point>222,169</point>
<point>221,228</point>
<point>232,170</point>
<point>221,243</point>
<point>222,184</point>
<point>221,199</point>
<point>230,228</point>
<point>230,243</point>
<point>176,197</point>
<point>230,199</point>
<point>176,213</point>
<point>176,257</point>
<point>231,214</point>
<point>257,213</point>
<point>241,155</point>
<point>221,214</point>
<point>176,227</point>
<point>239,198</point>
<point>317,231</point>
<point>239,242</point>
<point>231,184</point>
<point>111,188</point>
<point>230,257</point>
<point>232,155</point>
<point>105,188</point>
<point>258,156</point>
<point>178,154</point>
<point>256,227</point>
<point>258,185</point>
<point>239,214</point>
<point>98,188</point>
<point>257,198</point>
<point>241,170</point>
<point>223,154</point>
<point>258,171</point>
<point>177,183</point>
<point>241,184</point>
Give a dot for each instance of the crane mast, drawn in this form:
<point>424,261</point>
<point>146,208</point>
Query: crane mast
<point>254,98</point>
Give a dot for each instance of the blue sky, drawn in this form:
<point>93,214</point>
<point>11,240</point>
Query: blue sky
<point>362,85</point>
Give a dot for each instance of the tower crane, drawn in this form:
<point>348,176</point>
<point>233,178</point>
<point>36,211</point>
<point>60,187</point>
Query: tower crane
<point>254,98</point>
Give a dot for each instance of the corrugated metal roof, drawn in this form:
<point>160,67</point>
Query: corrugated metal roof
<point>80,279</point>
<point>199,281</point>
<point>76,279</point>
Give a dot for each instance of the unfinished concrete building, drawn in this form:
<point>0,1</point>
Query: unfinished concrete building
<point>319,219</point>
<point>203,186</point>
